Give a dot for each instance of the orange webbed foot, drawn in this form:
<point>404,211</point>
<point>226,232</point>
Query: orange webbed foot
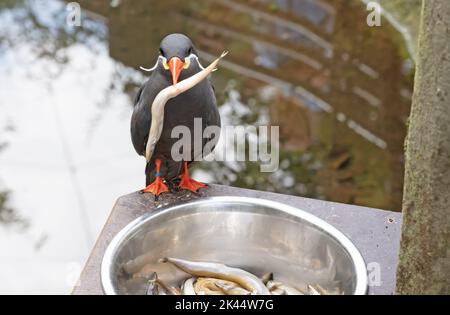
<point>188,183</point>
<point>157,187</point>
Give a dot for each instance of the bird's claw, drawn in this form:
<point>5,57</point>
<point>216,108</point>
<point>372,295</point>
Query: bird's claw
<point>156,188</point>
<point>190,184</point>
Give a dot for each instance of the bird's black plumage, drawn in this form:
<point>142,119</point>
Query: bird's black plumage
<point>198,102</point>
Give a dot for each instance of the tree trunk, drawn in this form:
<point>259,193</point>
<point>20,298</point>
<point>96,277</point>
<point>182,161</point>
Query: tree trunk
<point>424,266</point>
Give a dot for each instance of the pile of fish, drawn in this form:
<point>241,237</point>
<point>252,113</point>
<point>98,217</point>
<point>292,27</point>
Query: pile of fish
<point>208,278</point>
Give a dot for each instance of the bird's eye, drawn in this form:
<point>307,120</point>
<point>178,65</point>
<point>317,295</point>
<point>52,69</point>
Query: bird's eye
<point>161,52</point>
<point>190,51</point>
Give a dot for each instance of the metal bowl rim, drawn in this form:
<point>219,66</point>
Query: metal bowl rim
<point>353,252</point>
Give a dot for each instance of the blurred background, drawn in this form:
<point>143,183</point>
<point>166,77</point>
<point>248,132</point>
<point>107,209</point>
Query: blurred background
<point>339,90</point>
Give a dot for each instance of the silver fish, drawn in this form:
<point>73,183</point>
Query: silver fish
<point>267,277</point>
<point>208,286</point>
<point>162,287</point>
<point>323,291</point>
<point>278,291</point>
<point>157,107</point>
<point>230,288</point>
<point>289,290</point>
<point>206,269</point>
<point>155,287</point>
<point>312,290</point>
<point>188,287</point>
<point>152,288</point>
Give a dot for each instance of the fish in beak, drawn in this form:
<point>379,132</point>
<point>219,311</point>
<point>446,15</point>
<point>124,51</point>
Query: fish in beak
<point>157,107</point>
<point>175,67</point>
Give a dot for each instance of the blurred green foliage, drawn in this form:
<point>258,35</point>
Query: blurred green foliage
<point>407,12</point>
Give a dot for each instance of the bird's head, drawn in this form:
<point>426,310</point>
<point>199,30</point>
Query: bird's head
<point>176,53</point>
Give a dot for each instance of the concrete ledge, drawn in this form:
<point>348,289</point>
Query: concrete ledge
<point>376,233</point>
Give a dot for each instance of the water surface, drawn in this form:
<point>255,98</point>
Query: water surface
<point>339,90</point>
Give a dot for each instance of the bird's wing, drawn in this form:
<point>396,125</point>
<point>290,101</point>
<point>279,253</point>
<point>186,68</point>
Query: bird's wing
<point>212,85</point>
<point>138,95</point>
<point>141,117</point>
<point>211,117</point>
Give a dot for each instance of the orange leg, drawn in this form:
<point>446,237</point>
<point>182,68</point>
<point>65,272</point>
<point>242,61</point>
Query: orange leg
<point>157,187</point>
<point>187,182</point>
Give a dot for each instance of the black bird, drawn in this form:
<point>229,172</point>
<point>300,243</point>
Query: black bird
<point>178,60</point>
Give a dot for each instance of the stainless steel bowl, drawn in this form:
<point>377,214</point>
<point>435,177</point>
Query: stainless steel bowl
<point>254,234</point>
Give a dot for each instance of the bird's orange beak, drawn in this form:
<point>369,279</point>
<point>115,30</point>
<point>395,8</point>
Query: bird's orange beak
<point>175,67</point>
